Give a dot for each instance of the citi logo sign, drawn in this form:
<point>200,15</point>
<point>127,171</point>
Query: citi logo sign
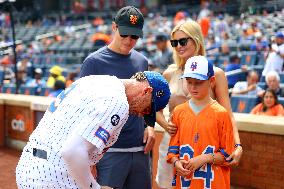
<point>18,123</point>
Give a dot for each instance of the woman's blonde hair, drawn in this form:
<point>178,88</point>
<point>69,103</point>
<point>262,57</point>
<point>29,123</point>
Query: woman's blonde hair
<point>193,30</point>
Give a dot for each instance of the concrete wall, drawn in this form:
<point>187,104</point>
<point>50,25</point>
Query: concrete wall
<point>262,137</point>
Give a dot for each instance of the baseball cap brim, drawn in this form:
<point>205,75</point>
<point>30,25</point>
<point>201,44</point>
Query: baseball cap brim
<point>150,119</point>
<point>126,30</point>
<point>195,76</point>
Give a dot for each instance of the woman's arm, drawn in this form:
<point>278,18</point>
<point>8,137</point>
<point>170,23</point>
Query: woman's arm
<point>160,118</point>
<point>222,96</point>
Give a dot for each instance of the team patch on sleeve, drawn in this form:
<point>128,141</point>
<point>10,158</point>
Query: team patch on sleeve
<point>102,134</point>
<point>115,119</point>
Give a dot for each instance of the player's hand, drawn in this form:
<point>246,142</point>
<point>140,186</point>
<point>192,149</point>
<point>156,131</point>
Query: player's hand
<point>236,156</point>
<point>195,163</point>
<point>149,139</point>
<point>181,171</point>
<point>171,128</point>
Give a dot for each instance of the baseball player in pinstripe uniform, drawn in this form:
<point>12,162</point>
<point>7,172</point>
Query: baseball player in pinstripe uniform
<point>81,124</point>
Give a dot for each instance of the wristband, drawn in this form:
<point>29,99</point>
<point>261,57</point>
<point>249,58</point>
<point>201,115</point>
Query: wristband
<point>175,162</point>
<point>236,145</point>
<point>224,153</point>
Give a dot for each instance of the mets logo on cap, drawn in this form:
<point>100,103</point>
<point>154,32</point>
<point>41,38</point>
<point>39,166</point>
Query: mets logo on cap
<point>198,67</point>
<point>133,19</point>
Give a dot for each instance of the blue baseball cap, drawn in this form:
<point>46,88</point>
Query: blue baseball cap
<point>279,34</point>
<point>160,95</point>
<point>198,67</point>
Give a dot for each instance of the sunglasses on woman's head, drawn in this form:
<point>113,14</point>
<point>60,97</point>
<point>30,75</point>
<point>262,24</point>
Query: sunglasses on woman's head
<point>181,41</point>
<point>132,36</point>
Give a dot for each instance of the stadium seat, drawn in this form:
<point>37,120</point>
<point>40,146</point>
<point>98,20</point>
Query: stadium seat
<point>44,91</point>
<point>1,77</point>
<point>281,77</point>
<point>260,59</point>
<point>261,85</point>
<point>222,61</point>
<point>9,89</point>
<point>243,103</point>
<point>281,100</point>
<point>27,90</point>
<point>248,58</point>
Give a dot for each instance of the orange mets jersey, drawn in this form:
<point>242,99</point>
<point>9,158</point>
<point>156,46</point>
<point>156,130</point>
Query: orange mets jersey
<point>206,132</point>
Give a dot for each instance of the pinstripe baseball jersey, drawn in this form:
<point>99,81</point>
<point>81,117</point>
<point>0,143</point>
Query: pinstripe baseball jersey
<point>94,107</point>
<point>202,133</point>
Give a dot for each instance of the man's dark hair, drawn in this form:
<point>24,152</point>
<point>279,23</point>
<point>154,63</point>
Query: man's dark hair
<point>59,85</point>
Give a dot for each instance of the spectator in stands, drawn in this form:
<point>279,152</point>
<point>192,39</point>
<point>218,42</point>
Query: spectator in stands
<point>234,64</point>
<point>78,7</point>
<point>26,65</point>
<point>5,67</point>
<point>21,78</point>
<point>98,21</point>
<point>179,17</point>
<point>274,61</point>
<point>220,25</point>
<point>131,151</point>
<point>272,80</point>
<point>225,39</point>
<point>204,12</point>
<point>269,105</point>
<point>55,74</point>
<point>259,44</point>
<point>37,82</point>
<point>205,25</point>
<point>70,78</point>
<point>59,86</point>
<point>187,41</point>
<point>253,29</point>
<point>100,39</point>
<point>248,87</point>
<point>163,56</point>
<point>212,47</point>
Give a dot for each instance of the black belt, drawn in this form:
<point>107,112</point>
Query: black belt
<point>39,153</point>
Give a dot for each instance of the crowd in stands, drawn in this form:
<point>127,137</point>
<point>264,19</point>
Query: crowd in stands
<point>250,48</point>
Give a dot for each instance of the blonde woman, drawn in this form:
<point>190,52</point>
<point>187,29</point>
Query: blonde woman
<point>187,41</point>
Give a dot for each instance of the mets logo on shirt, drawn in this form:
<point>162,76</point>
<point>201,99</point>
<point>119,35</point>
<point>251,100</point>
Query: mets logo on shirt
<point>114,119</point>
<point>102,134</point>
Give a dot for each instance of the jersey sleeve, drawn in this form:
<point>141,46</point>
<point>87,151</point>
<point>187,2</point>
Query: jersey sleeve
<point>106,119</point>
<point>174,145</point>
<point>226,133</point>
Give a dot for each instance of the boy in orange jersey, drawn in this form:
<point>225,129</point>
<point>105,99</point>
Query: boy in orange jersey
<point>204,135</point>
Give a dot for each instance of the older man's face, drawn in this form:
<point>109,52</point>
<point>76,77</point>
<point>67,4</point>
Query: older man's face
<point>272,83</point>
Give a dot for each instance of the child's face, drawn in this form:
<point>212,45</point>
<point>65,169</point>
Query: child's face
<point>268,100</point>
<point>198,88</point>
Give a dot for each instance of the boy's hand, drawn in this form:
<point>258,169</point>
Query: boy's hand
<point>196,162</point>
<point>179,165</point>
<point>236,156</point>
